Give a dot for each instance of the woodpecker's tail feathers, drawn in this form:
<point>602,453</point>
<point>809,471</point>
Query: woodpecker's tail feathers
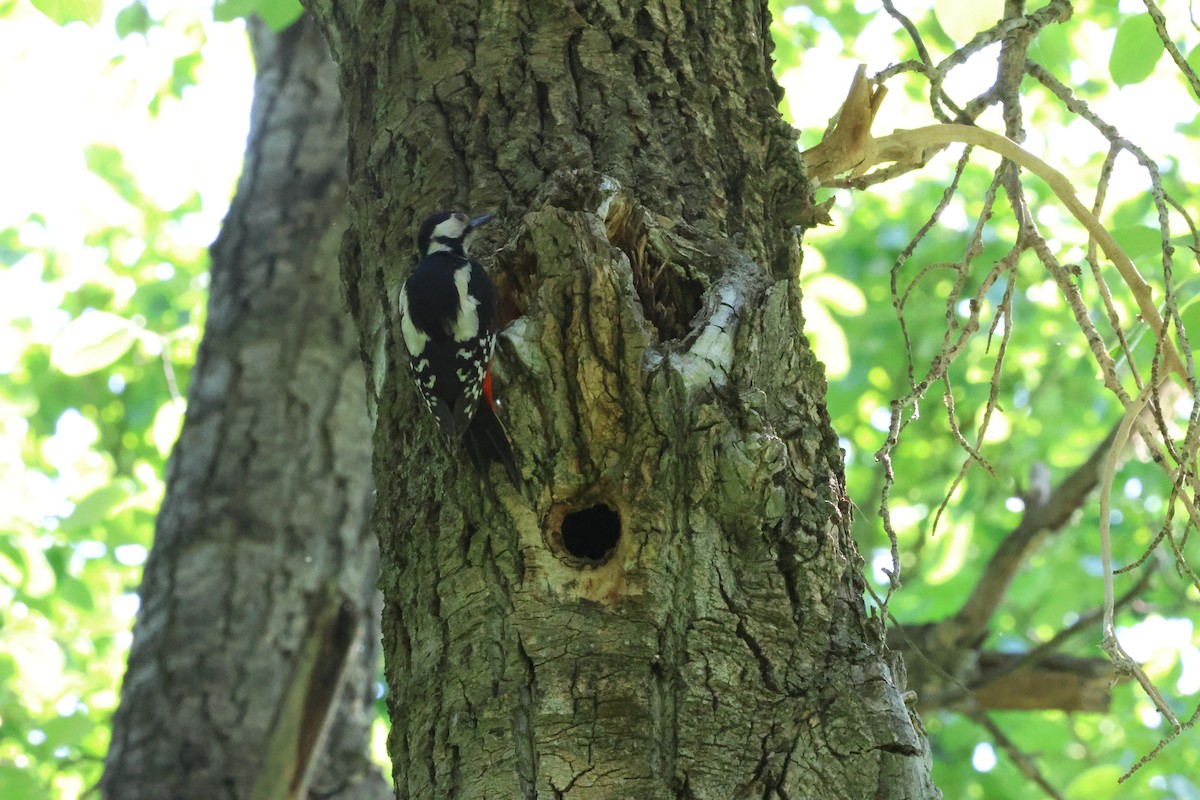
<point>486,442</point>
<point>446,420</point>
<point>452,422</point>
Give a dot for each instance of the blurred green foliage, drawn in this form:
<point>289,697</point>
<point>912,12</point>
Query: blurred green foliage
<point>100,319</point>
<point>276,13</point>
<point>64,11</point>
<point>93,394</point>
<point>97,335</point>
<point>1053,407</point>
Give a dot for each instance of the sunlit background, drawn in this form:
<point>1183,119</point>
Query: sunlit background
<point>118,157</point>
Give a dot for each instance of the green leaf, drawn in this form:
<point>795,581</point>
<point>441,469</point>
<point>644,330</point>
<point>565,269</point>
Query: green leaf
<point>67,731</point>
<point>91,341</point>
<point>961,21</point>
<point>13,566</point>
<point>133,18</point>
<point>17,784</point>
<point>96,507</point>
<point>64,11</point>
<point>828,340</point>
<point>108,164</point>
<point>8,668</point>
<point>39,573</point>
<point>75,592</point>
<point>280,13</point>
<point>167,424</point>
<point>1097,783</point>
<point>1052,47</point>
<point>1138,240</point>
<point>58,556</point>
<point>836,292</point>
<point>229,10</point>
<point>1135,51</point>
<point>276,13</point>
<point>183,72</point>
<point>1188,294</point>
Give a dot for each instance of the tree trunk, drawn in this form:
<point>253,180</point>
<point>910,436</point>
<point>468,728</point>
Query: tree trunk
<point>258,599</point>
<point>673,607</point>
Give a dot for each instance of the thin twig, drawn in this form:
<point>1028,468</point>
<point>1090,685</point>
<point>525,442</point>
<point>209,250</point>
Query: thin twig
<point>1020,759</point>
<point>1110,643</point>
<point>1049,515</point>
<point>1160,25</point>
<point>917,144</point>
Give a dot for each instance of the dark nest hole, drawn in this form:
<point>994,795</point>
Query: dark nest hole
<point>512,270</point>
<point>585,536</point>
<point>671,296</point>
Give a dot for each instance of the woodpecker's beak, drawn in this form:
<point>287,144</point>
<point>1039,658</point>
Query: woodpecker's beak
<point>475,223</point>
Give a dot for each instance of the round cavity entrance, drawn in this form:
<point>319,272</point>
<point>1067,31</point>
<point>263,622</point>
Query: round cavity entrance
<point>590,534</point>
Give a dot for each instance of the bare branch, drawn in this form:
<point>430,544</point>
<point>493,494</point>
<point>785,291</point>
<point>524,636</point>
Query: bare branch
<point>1160,25</point>
<point>975,614</point>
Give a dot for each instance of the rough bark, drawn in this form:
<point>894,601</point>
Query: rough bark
<point>673,608</point>
<point>258,598</point>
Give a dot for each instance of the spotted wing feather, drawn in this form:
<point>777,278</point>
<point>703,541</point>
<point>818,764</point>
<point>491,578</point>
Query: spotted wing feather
<point>448,319</point>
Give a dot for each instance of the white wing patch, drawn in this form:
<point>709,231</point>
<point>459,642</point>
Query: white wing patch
<point>414,340</point>
<point>466,324</point>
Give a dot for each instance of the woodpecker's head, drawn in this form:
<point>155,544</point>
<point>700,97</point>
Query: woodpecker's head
<point>448,231</point>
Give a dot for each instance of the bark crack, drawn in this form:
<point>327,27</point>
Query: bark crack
<point>765,668</point>
<point>524,735</point>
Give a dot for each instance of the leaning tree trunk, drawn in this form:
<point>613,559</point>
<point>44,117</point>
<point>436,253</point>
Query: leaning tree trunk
<point>672,608</point>
<point>258,599</point>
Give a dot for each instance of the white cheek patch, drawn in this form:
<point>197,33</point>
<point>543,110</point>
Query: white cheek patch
<point>466,324</point>
<point>414,340</point>
<point>445,234</point>
<point>450,228</point>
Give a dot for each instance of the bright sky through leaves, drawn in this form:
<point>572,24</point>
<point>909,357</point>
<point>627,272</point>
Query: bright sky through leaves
<point>78,86</point>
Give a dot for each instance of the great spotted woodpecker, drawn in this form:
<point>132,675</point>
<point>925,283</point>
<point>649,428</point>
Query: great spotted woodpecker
<point>448,320</point>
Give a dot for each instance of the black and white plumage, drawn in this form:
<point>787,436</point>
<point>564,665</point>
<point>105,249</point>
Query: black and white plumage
<point>448,321</point>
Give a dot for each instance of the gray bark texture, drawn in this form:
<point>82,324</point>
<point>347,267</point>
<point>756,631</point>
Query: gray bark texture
<point>254,652</point>
<point>672,607</point>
